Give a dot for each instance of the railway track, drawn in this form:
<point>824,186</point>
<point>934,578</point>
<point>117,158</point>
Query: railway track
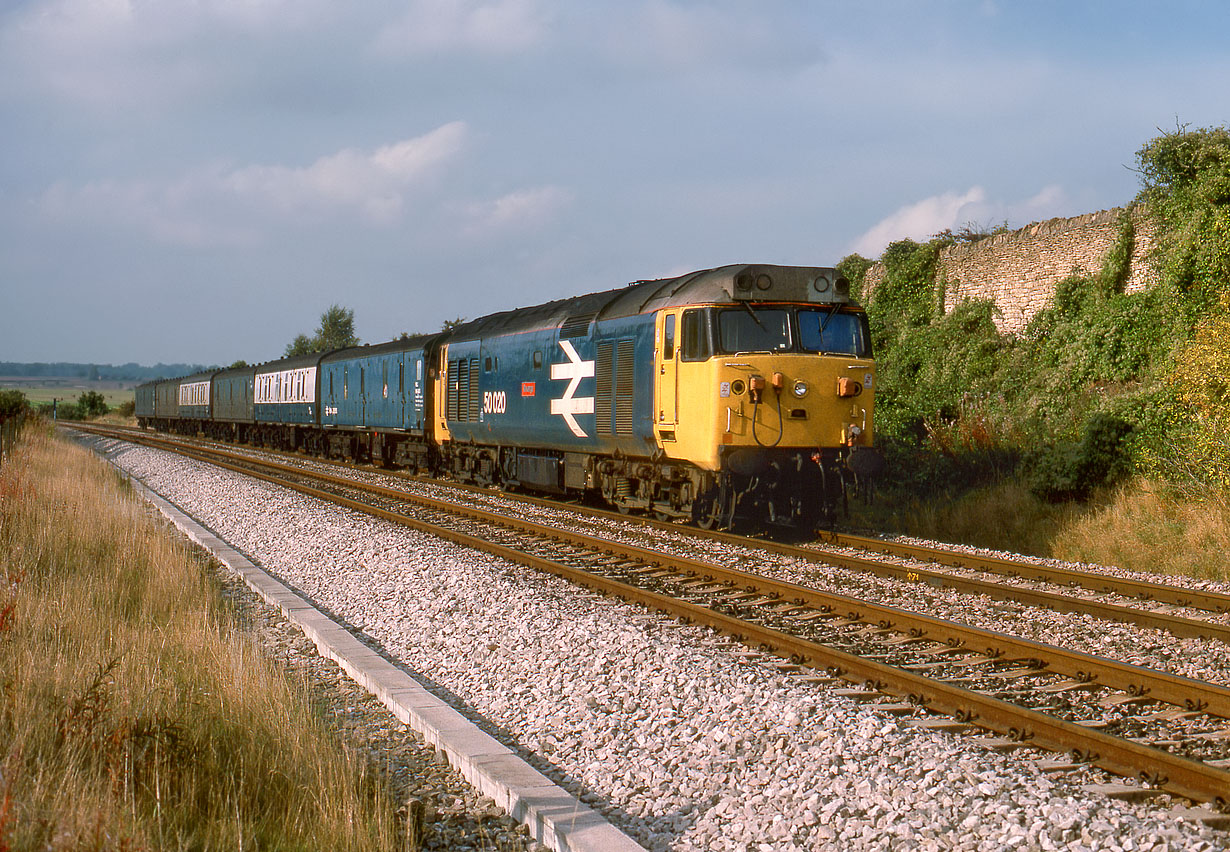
<point>1167,730</point>
<point>1142,603</point>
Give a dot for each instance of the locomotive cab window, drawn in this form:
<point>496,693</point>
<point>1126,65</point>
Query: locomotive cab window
<point>695,333</point>
<point>668,338</point>
<point>750,330</point>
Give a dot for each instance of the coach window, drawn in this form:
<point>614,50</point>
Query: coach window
<point>695,343</point>
<point>668,339</point>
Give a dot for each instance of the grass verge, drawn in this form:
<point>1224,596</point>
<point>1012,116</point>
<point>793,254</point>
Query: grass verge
<point>1141,526</point>
<point>135,715</point>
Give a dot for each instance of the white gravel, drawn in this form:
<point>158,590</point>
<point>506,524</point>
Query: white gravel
<point>682,742</point>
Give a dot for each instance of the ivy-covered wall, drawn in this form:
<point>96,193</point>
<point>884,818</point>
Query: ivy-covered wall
<point>1019,270</point>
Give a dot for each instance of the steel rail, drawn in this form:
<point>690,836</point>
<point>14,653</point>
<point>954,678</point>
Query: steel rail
<point>1187,693</point>
<point>1185,777</point>
<point>1143,589</point>
<point>1210,601</point>
<point>1176,625</point>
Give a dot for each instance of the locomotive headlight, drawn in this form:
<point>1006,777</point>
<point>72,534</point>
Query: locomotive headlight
<point>800,389</point>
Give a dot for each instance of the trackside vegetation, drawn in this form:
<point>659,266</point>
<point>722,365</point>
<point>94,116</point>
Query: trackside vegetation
<point>136,715</point>
<point>1057,438</point>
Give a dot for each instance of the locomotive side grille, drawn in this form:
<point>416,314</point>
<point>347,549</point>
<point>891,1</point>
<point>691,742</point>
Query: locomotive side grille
<point>576,326</point>
<point>463,390</point>
<point>451,412</point>
<point>602,381</point>
<point>623,389</point>
<point>472,413</point>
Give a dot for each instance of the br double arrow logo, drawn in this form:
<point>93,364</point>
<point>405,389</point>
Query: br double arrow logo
<point>568,406</point>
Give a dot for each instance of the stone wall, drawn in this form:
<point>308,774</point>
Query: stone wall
<point>1018,270</point>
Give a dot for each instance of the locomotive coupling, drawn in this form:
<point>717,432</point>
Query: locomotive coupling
<point>756,388</point>
<point>847,387</point>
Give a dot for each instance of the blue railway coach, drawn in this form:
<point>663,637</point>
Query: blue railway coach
<point>233,400</point>
<point>374,398</point>
<point>195,401</point>
<point>287,391</point>
<point>143,403</point>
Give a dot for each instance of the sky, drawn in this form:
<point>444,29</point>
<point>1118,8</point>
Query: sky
<point>198,180</point>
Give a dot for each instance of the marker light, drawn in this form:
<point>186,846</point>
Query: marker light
<point>800,389</point>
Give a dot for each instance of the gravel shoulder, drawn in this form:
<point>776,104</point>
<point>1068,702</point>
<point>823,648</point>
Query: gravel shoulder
<point>672,732</point>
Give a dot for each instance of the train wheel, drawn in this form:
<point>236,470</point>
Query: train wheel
<point>709,510</point>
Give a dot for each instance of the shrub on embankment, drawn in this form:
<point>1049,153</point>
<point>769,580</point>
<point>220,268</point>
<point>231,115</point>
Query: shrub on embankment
<point>1105,397</point>
<point>135,715</point>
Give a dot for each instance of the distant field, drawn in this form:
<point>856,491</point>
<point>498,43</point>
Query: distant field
<point>46,388</point>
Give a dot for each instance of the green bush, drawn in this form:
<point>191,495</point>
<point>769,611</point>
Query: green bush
<point>1085,395</point>
<point>12,403</point>
<point>1073,470</point>
<point>91,404</point>
<point>61,410</point>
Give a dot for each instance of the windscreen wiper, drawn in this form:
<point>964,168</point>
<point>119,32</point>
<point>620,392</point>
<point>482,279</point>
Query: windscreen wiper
<point>755,318</point>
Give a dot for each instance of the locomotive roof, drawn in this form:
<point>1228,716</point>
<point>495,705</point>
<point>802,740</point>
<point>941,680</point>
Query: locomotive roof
<point>734,284</point>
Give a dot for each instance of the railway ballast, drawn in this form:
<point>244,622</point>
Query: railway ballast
<point>680,737</point>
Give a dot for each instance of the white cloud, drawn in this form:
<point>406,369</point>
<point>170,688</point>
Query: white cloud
<point>487,26</point>
<point>923,219</point>
<point>111,53</point>
<point>666,34</point>
<point>374,183</point>
<point>234,206</point>
<point>920,220</point>
<point>527,208</point>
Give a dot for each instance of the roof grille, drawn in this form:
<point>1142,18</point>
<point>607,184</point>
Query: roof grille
<point>576,326</point>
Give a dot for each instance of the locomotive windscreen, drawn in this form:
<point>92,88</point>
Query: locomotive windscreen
<point>833,332</point>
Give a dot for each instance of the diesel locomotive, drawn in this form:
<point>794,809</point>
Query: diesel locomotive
<point>728,396</point>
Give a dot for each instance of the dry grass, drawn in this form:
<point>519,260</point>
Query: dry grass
<point>1146,527</point>
<point>1140,526</point>
<point>1004,517</point>
<point>134,715</point>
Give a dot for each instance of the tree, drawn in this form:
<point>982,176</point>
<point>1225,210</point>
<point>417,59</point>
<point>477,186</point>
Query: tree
<point>336,331</point>
<point>301,345</point>
<point>337,328</point>
<point>91,404</point>
<point>449,325</point>
<point>238,364</point>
